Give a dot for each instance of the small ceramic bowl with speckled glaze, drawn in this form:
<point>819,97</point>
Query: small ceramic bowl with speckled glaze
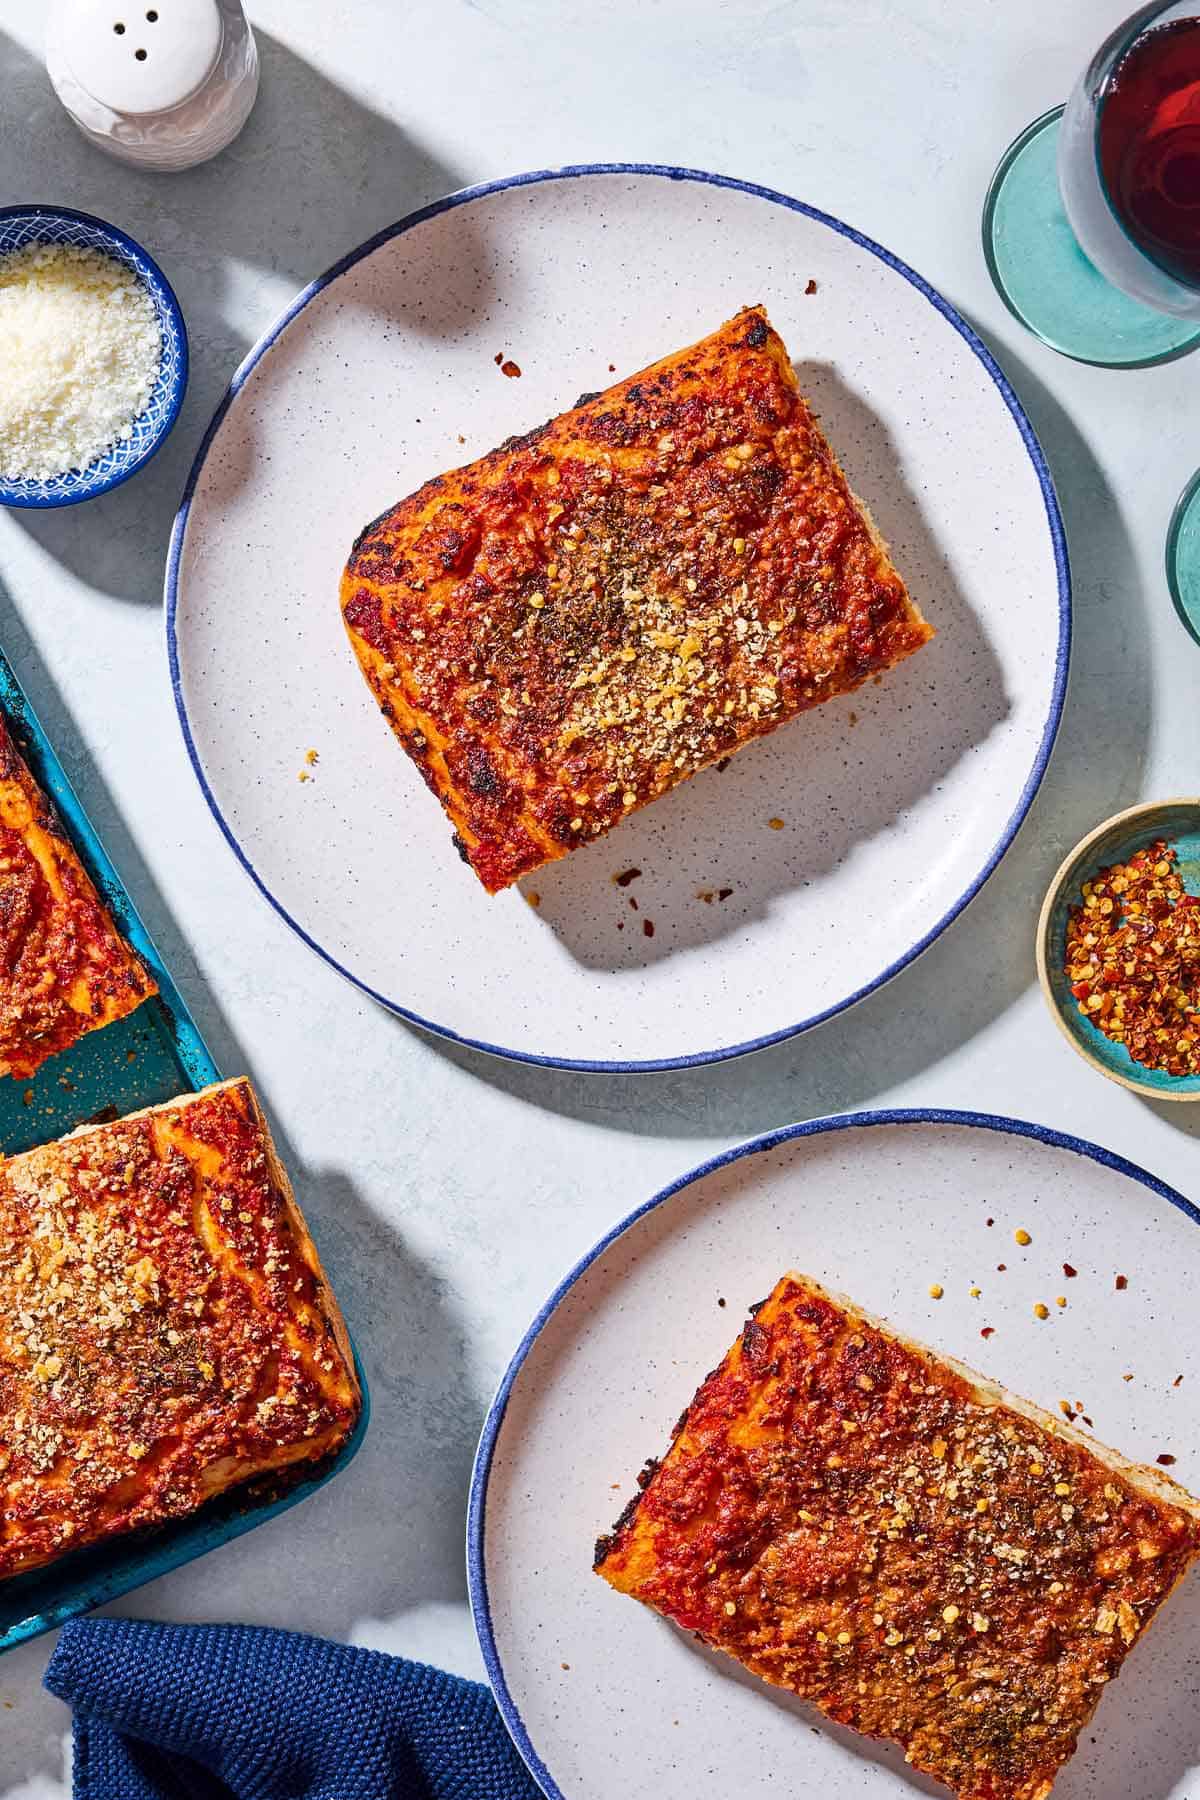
<point>1175,823</point>
<point>756,900</point>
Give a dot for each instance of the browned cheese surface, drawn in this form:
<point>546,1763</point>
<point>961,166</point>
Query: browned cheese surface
<point>856,1520</point>
<point>565,629</point>
<point>165,1327</point>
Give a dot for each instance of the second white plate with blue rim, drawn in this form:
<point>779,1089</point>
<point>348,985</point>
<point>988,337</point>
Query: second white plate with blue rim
<point>895,803</point>
<point>602,1697</point>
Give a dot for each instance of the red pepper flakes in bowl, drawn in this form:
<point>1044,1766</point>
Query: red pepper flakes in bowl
<point>1133,960</point>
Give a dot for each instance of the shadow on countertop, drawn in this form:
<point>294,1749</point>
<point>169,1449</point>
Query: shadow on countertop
<point>983,963</point>
<point>1182,1116</point>
<point>313,174</point>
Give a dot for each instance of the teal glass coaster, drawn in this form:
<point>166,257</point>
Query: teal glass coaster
<point>1183,557</point>
<point>1045,279</point>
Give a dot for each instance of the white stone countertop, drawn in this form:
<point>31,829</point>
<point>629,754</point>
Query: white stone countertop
<point>450,1191</point>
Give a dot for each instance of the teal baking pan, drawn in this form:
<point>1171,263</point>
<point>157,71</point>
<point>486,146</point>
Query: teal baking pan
<point>152,1055</point>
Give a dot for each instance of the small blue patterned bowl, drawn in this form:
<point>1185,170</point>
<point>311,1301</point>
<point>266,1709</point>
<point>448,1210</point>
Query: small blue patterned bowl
<point>1178,823</point>
<point>21,225</point>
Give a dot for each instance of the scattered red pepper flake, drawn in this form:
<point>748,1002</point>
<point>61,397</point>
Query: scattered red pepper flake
<point>1166,1461</point>
<point>1178,1379</point>
<point>720,1300</point>
<point>648,927</point>
<point>1069,1272</point>
<point>724,893</point>
<point>510,368</point>
<point>498,358</point>
<point>1133,959</point>
<point>810,286</point>
<point>1122,1283</point>
<point>1001,1268</point>
<point>626,876</point>
<point>988,1331</point>
<point>989,1221</point>
<point>775,824</point>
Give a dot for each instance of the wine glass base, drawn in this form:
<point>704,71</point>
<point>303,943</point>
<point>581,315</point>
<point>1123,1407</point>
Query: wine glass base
<point>1047,282</point>
<point>1183,557</point>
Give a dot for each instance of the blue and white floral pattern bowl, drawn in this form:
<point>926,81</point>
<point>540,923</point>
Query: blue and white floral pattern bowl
<point>21,225</point>
<point>896,802</point>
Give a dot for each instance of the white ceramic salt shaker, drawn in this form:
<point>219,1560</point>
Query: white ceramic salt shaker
<point>164,84</point>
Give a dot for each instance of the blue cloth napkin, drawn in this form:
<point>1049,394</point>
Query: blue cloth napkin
<point>206,1712</point>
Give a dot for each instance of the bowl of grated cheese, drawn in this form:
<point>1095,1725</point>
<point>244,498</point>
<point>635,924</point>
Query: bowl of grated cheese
<point>93,356</point>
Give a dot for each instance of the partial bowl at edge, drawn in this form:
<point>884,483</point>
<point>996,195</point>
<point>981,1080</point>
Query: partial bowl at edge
<point>1115,841</point>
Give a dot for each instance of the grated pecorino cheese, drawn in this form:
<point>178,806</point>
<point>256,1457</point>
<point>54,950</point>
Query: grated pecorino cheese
<point>80,348</point>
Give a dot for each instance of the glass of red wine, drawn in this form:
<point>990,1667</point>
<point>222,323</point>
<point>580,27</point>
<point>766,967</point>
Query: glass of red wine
<point>1091,226</point>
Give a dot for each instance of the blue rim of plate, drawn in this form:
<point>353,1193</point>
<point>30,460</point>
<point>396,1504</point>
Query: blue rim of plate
<point>173,377</point>
<point>484,1455</point>
<point>574,171</point>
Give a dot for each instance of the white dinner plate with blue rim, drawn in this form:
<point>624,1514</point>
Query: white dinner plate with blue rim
<point>606,1700</point>
<point>896,802</point>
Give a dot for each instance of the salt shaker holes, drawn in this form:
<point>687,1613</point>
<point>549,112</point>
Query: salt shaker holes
<point>163,86</point>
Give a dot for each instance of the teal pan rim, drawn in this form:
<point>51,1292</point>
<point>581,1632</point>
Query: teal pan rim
<point>154,1054</point>
<point>181,1040</point>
